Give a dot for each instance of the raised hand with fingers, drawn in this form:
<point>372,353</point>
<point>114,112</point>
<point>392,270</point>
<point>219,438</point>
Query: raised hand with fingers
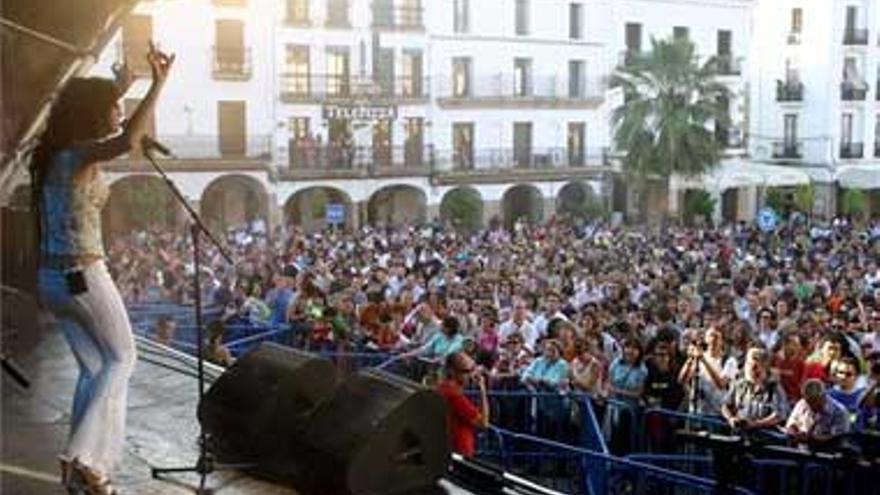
<point>160,63</point>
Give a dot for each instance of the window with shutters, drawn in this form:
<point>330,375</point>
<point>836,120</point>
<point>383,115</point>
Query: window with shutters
<point>337,14</point>
<point>231,58</point>
<point>297,76</point>
<point>298,12</point>
<point>576,21</point>
<point>232,128</point>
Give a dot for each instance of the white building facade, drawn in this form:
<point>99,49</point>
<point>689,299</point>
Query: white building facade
<point>816,107</point>
<point>279,108</point>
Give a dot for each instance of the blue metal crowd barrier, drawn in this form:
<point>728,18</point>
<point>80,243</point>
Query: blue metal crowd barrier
<point>561,439</point>
<point>580,471</point>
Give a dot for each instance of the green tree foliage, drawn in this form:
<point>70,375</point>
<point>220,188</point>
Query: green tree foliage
<point>854,203</point>
<point>464,208</point>
<point>672,103</point>
<point>804,195</point>
<point>698,202</point>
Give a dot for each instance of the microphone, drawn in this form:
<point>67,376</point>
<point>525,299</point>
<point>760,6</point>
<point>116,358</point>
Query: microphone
<point>150,144</point>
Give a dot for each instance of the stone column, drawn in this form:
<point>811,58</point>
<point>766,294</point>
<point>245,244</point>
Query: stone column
<point>433,212</point>
<point>717,196</point>
<point>674,199</point>
<point>274,213</point>
<point>491,209</point>
<point>549,207</point>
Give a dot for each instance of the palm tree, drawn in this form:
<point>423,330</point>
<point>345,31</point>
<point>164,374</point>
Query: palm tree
<point>672,100</point>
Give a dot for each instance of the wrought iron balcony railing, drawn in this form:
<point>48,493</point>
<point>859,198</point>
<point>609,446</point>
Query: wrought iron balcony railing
<point>852,36</point>
<point>510,87</point>
<point>485,160</point>
<point>788,149</point>
<point>232,63</point>
<point>852,150</point>
<point>789,91</point>
<point>309,158</point>
<point>398,17</point>
<point>320,87</point>
<point>850,91</point>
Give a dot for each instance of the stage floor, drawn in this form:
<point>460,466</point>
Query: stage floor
<point>162,426</point>
<point>162,429</point>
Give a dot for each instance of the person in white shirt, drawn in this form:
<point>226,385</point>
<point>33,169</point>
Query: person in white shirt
<point>551,312</point>
<point>816,417</point>
<point>768,334</point>
<point>519,323</point>
<point>716,371</point>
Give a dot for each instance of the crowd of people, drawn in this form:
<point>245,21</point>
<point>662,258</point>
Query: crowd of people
<point>765,330</point>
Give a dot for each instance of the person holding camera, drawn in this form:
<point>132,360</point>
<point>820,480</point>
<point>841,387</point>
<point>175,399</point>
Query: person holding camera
<point>707,373</point>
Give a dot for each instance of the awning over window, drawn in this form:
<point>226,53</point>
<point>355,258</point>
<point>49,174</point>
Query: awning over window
<point>858,176</point>
<point>740,173</point>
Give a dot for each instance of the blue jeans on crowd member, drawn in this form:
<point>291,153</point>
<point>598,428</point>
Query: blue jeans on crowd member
<point>96,326</point>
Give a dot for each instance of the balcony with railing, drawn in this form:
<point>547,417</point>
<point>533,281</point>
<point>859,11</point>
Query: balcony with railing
<point>850,150</point>
<point>853,37</point>
<point>487,165</point>
<point>728,65</point>
<point>387,16</point>
<point>789,91</point>
<point>315,161</point>
<point>509,91</point>
<point>502,164</point>
<point>317,88</point>
<point>231,64</point>
<point>197,152</point>
<point>853,91</point>
<point>788,150</point>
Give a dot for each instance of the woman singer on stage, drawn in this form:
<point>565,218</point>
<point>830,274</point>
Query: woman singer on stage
<point>85,128</point>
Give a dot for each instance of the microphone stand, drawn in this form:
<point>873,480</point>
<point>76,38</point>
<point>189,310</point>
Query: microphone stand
<point>205,464</point>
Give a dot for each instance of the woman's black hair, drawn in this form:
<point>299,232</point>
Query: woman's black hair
<point>634,342</point>
<point>80,113</point>
<point>452,324</point>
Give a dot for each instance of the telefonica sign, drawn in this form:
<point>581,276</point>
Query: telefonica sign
<point>357,111</point>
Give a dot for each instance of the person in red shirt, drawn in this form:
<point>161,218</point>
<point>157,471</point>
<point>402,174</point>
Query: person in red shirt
<point>463,415</point>
<point>788,365</point>
<point>830,348</point>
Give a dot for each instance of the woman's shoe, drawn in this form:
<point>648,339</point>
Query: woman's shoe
<point>68,479</point>
<point>92,482</point>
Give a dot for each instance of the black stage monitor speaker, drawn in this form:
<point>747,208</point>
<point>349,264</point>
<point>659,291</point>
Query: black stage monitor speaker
<point>373,434</point>
<point>377,434</point>
<point>261,400</point>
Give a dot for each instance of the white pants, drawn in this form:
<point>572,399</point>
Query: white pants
<point>96,326</point>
